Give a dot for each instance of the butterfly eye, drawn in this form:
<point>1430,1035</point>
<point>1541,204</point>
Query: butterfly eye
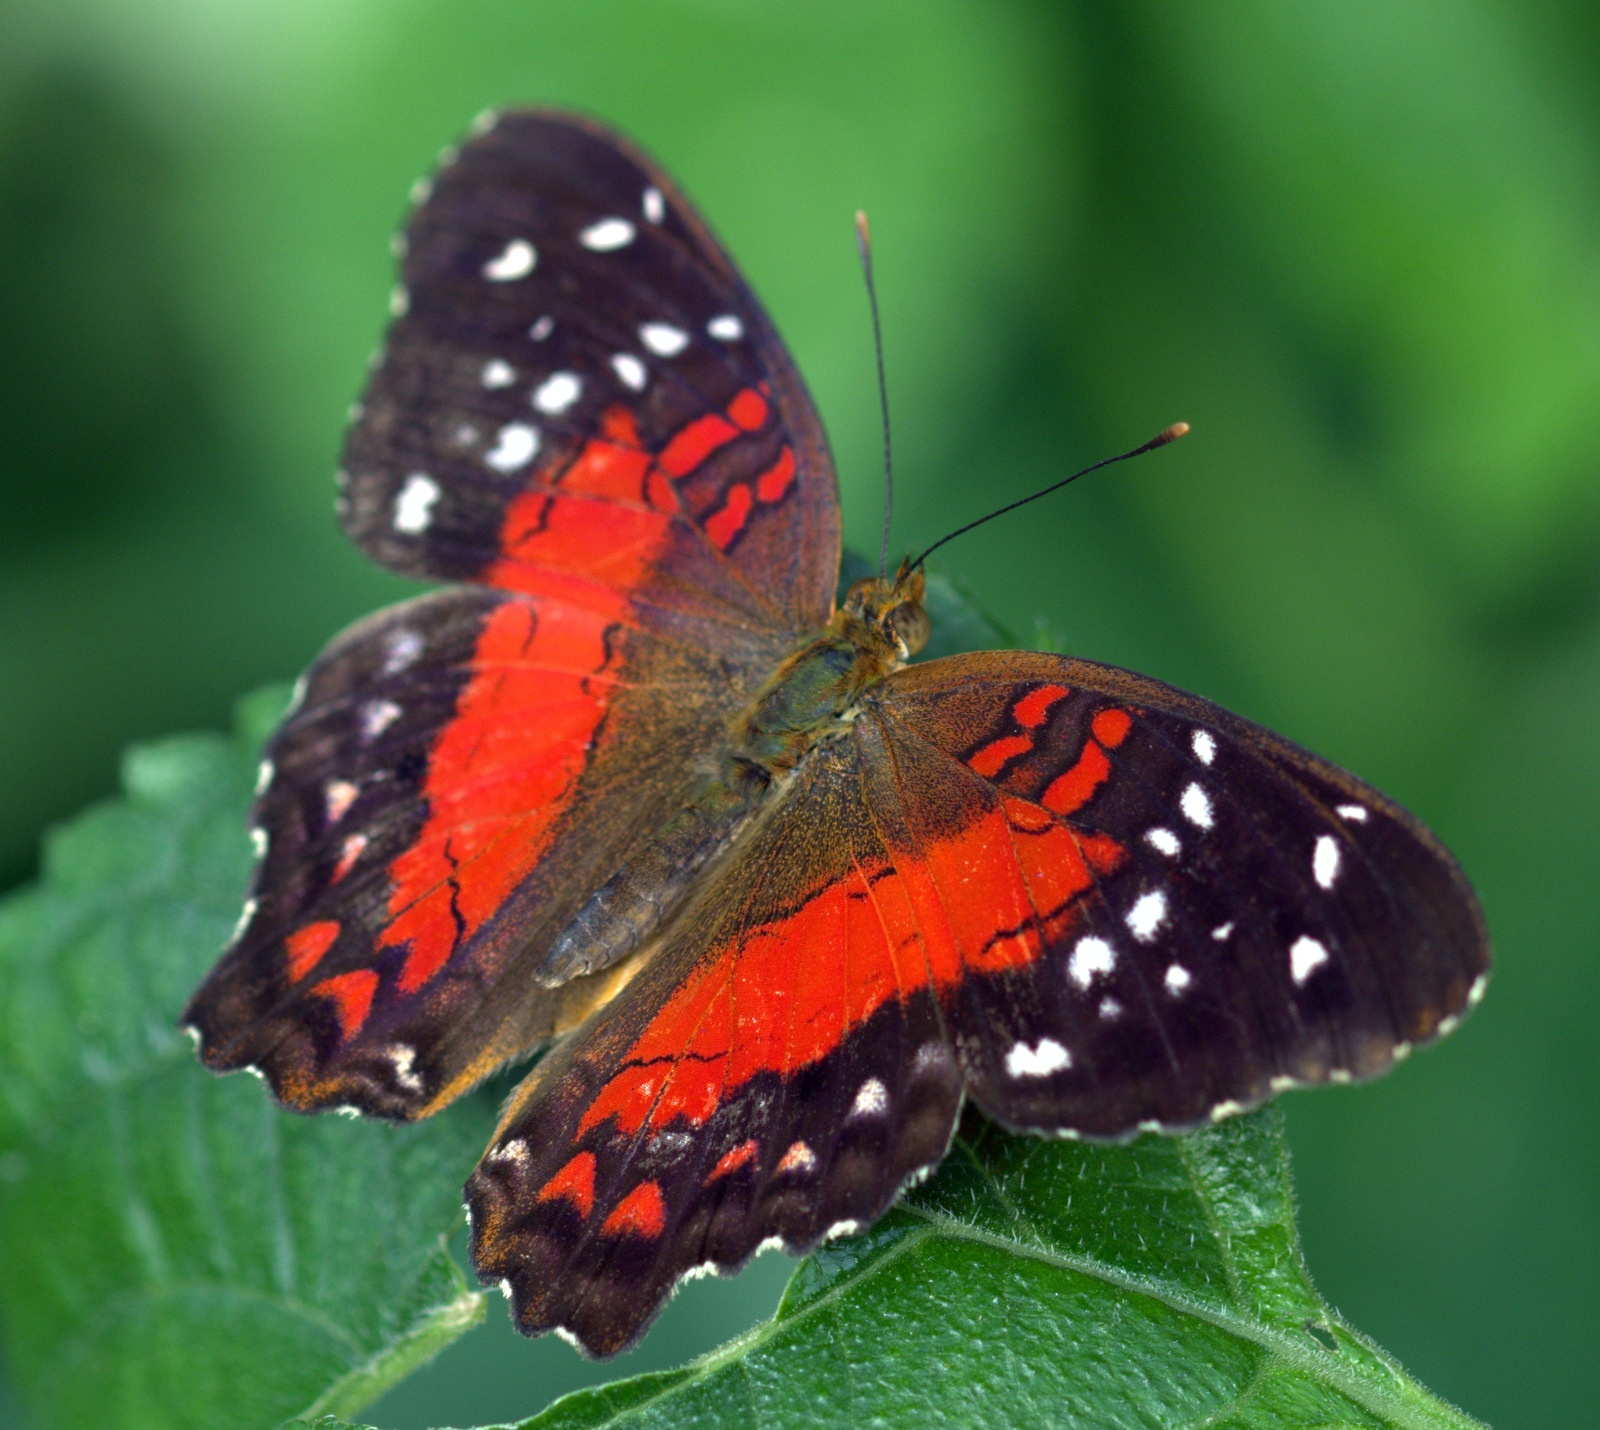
<point>909,625</point>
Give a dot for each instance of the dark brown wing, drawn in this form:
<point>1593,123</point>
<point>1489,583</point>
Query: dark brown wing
<point>1178,911</point>
<point>580,387</point>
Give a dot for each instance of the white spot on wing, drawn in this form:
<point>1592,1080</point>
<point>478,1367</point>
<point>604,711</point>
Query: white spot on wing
<point>1110,1009</point>
<point>247,913</point>
<point>1325,860</point>
<point>872,1098</point>
<point>630,370</point>
<point>403,1057</point>
<point>558,392</point>
<point>1480,985</point>
<point>542,328</point>
<point>1306,956</point>
<point>264,773</point>
<point>514,1151</point>
<point>663,339</point>
<point>1355,813</point>
<point>1164,841</point>
<point>1196,807</point>
<point>421,191</point>
<point>841,1228</point>
<point>337,797</point>
<point>413,508</point>
<point>654,206</point>
<point>1148,913</point>
<point>403,649</point>
<point>1222,931</point>
<point>608,234</point>
<point>399,300</point>
<point>726,328</point>
<point>930,1055</point>
<point>515,445</point>
<point>258,840</point>
<point>497,372</point>
<point>505,1288</point>
<point>1204,746</point>
<point>1038,1061</point>
<point>1178,978</point>
<point>514,261</point>
<point>1090,956</point>
<point>376,717</point>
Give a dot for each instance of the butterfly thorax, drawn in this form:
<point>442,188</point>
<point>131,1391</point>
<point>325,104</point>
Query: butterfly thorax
<point>811,695</point>
<point>809,698</point>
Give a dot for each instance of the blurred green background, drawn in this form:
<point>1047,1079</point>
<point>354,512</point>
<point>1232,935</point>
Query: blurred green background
<point>1356,243</point>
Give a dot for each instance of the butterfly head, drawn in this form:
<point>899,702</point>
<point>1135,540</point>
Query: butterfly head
<point>893,610</point>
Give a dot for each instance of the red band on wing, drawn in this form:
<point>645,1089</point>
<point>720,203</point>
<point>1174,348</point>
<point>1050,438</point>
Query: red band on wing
<point>774,483</point>
<point>728,520</point>
<point>1030,713</point>
<point>695,443</point>
<point>1074,788</point>
<point>1032,710</point>
<point>498,777</point>
<point>306,947</point>
<point>868,937</point>
<point>574,1183</point>
<point>1111,727</point>
<point>997,754</point>
<point>733,1159</point>
<point>351,994</point>
<point>641,1213</point>
<point>748,410</point>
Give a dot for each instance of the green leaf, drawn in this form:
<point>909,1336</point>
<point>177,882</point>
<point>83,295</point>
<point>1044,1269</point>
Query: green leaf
<point>1034,1282</point>
<point>174,1250</point>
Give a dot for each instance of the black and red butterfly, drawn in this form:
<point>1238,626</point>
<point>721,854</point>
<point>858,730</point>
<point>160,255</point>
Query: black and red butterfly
<point>782,899</point>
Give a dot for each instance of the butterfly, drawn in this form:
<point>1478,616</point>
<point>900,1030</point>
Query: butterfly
<point>777,900</point>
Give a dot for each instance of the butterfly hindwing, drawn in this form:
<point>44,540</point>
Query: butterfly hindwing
<point>459,773</point>
<point>580,388</point>
<point>777,1074</point>
<point>1186,912</point>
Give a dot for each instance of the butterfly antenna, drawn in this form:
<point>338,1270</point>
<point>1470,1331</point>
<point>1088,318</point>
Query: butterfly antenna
<point>1170,434</point>
<point>864,246</point>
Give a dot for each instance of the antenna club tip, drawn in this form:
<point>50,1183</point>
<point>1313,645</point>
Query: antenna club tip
<point>863,231</point>
<point>1177,430</point>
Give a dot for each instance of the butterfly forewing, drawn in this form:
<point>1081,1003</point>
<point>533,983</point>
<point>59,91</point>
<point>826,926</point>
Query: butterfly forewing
<point>1185,912</point>
<point>460,772</point>
<point>581,405</point>
<point>581,388</point>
